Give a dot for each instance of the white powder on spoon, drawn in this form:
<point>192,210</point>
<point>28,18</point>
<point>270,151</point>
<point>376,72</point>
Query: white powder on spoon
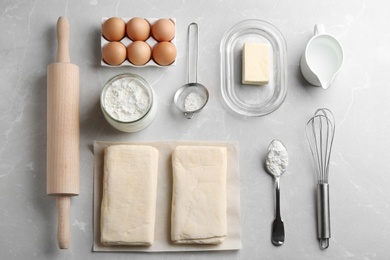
<point>277,158</point>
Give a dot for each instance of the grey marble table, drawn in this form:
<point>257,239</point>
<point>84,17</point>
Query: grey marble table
<point>359,98</point>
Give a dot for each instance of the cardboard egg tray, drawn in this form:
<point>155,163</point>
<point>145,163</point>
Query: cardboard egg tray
<point>127,41</point>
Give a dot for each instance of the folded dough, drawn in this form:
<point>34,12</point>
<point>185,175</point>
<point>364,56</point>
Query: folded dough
<point>199,195</point>
<point>129,195</point>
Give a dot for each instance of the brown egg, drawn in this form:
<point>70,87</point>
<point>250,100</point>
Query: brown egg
<point>139,53</point>
<point>163,30</point>
<point>138,29</point>
<point>114,53</point>
<point>164,53</point>
<point>113,29</point>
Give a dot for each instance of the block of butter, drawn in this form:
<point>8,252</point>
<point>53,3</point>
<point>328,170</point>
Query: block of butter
<point>199,195</point>
<point>128,208</point>
<point>255,63</point>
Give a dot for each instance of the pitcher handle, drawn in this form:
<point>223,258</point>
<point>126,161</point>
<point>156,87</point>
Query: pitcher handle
<point>319,28</point>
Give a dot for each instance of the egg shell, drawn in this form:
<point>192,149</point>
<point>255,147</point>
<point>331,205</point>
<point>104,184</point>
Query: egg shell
<point>114,29</point>
<point>164,53</point>
<point>163,30</point>
<point>138,29</point>
<point>139,53</point>
<point>114,53</point>
<point>127,41</point>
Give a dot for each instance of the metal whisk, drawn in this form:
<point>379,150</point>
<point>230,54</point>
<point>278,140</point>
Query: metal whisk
<point>320,130</point>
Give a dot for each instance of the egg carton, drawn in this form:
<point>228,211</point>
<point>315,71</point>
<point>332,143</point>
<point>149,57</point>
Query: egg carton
<point>127,41</point>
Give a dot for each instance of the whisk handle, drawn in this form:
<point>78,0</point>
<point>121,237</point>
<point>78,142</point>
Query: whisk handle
<point>323,215</point>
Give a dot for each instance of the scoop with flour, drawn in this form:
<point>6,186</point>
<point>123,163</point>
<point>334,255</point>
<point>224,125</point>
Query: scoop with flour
<point>193,96</point>
<point>276,164</point>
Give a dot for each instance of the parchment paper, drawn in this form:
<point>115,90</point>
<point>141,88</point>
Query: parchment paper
<point>162,240</point>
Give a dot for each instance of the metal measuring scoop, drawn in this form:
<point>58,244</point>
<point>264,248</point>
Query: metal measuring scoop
<point>276,164</point>
<point>192,97</point>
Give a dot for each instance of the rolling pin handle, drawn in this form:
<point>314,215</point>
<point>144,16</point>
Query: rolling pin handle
<point>63,40</point>
<point>63,232</point>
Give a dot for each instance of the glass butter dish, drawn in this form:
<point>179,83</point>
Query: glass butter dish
<point>250,100</point>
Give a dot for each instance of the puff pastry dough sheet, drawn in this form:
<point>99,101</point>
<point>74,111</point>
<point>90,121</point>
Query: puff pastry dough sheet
<point>162,231</point>
<point>199,195</point>
<point>128,207</point>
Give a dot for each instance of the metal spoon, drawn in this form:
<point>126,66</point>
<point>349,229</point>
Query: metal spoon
<point>276,164</point>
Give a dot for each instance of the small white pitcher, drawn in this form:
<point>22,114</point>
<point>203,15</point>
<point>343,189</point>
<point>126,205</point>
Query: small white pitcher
<point>322,59</point>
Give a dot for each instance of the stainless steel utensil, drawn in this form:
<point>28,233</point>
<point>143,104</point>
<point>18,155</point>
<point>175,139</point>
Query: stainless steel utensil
<point>276,163</point>
<point>193,89</point>
<point>320,130</point>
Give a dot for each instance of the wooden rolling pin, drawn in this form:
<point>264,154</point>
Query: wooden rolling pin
<point>63,132</point>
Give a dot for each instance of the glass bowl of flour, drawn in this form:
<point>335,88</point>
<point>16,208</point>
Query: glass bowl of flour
<point>128,102</point>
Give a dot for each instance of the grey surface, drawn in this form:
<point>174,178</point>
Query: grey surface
<point>359,177</point>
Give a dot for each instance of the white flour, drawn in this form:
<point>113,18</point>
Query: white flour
<point>193,102</point>
<point>277,158</point>
<point>126,100</point>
